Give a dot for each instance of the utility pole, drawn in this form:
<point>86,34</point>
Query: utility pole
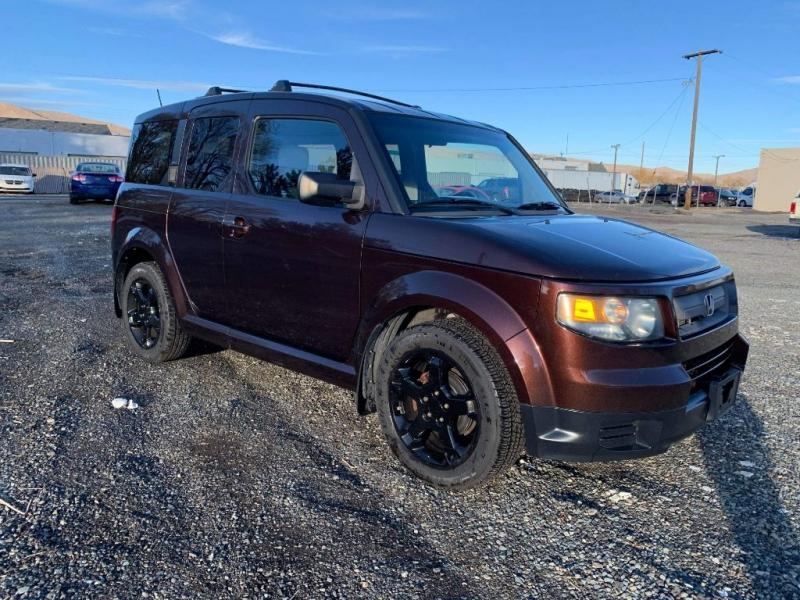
<point>716,171</point>
<point>614,172</point>
<point>687,203</point>
<point>641,161</point>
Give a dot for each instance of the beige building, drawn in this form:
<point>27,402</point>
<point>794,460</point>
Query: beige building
<point>778,179</point>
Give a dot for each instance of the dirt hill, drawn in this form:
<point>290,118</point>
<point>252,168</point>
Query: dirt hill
<point>649,176</point>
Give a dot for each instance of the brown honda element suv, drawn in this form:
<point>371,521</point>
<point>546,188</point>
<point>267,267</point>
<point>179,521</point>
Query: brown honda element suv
<point>426,263</point>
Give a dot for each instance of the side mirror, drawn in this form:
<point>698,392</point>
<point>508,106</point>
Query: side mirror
<point>314,186</point>
<point>33,174</point>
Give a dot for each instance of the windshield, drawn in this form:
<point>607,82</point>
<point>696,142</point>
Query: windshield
<point>97,168</point>
<point>23,171</point>
<point>449,166</point>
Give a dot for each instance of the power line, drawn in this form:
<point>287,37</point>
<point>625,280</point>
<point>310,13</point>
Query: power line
<point>655,122</point>
<point>535,88</point>
<point>672,127</point>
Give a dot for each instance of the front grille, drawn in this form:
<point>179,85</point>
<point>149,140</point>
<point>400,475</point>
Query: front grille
<point>12,182</point>
<point>708,365</point>
<point>699,311</point>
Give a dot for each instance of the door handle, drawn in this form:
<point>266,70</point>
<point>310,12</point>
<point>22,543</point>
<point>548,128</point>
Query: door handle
<point>238,228</point>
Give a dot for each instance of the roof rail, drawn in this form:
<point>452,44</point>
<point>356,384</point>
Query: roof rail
<point>284,85</point>
<point>218,91</point>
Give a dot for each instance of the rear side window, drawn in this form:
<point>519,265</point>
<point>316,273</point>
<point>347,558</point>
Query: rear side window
<point>284,148</point>
<point>210,158</point>
<point>149,155</point>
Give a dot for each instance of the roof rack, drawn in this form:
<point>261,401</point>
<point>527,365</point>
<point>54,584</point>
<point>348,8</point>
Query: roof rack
<point>218,91</point>
<point>284,85</point>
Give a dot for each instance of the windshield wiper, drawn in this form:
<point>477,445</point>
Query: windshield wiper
<point>470,202</point>
<point>544,205</point>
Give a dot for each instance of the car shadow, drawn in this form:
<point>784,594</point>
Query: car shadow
<point>781,231</point>
<point>741,466</point>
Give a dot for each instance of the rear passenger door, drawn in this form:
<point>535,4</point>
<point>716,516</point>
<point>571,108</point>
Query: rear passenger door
<point>292,269</point>
<point>198,203</point>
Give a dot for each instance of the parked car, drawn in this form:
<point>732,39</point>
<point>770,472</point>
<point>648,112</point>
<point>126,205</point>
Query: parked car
<point>305,229</point>
<point>794,211</point>
<point>708,195</point>
<point>661,192</point>
<point>746,196</point>
<point>615,197</point>
<point>501,188</point>
<point>16,178</point>
<point>728,197</point>
<point>94,181</point>
<point>462,191</point>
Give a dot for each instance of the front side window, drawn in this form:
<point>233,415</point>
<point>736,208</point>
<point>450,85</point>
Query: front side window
<point>210,157</point>
<point>284,148</point>
<point>149,154</point>
<point>452,166</point>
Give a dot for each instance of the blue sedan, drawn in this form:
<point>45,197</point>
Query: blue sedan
<point>94,181</point>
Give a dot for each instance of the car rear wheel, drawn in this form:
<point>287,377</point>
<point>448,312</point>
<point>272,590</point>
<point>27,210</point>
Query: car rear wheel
<point>447,406</point>
<point>149,320</point>
<point>742,204</point>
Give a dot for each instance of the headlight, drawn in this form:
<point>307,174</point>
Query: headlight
<point>613,318</point>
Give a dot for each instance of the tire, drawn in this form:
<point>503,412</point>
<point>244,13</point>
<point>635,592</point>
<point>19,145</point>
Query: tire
<point>170,342</point>
<point>493,440</point>
<point>73,200</point>
<point>742,204</point>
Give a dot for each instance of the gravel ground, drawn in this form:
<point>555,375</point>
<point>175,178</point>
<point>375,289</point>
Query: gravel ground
<point>236,478</point>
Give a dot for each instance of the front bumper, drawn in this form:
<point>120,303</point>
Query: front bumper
<point>574,435</point>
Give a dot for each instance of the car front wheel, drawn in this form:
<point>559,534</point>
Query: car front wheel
<point>447,405</point>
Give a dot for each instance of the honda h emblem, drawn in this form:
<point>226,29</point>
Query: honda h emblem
<point>708,300</point>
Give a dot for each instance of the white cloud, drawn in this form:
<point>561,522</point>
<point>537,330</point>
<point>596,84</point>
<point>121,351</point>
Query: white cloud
<point>243,39</point>
<point>141,84</point>
<point>38,86</point>
<point>792,79</point>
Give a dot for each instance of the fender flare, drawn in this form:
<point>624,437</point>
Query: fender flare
<point>483,308</point>
<point>143,239</point>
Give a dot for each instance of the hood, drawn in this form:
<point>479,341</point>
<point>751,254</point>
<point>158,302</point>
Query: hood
<point>572,247</point>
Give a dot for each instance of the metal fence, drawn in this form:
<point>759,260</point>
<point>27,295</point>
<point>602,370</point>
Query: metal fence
<point>52,172</point>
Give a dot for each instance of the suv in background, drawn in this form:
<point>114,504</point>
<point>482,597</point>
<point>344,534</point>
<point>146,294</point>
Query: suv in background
<point>328,234</point>
<point>661,192</point>
<point>708,195</point>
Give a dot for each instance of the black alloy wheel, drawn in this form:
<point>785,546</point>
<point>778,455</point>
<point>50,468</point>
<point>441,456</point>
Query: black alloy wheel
<point>144,319</point>
<point>434,409</point>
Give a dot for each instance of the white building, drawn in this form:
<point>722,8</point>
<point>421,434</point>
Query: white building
<point>50,133</point>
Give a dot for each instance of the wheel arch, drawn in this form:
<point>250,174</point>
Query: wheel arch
<point>427,295</point>
<point>142,244</point>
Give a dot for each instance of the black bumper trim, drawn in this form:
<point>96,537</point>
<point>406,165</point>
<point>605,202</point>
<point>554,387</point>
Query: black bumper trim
<point>571,435</point>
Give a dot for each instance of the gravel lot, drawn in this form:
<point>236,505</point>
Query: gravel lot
<point>236,478</point>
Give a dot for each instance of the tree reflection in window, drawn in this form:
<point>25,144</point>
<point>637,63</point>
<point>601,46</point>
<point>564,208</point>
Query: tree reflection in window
<point>210,152</point>
<point>284,148</point>
<point>149,156</point>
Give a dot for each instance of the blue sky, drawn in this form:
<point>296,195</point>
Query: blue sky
<point>103,59</point>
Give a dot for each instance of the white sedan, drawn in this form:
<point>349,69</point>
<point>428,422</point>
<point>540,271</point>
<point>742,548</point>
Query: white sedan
<point>615,197</point>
